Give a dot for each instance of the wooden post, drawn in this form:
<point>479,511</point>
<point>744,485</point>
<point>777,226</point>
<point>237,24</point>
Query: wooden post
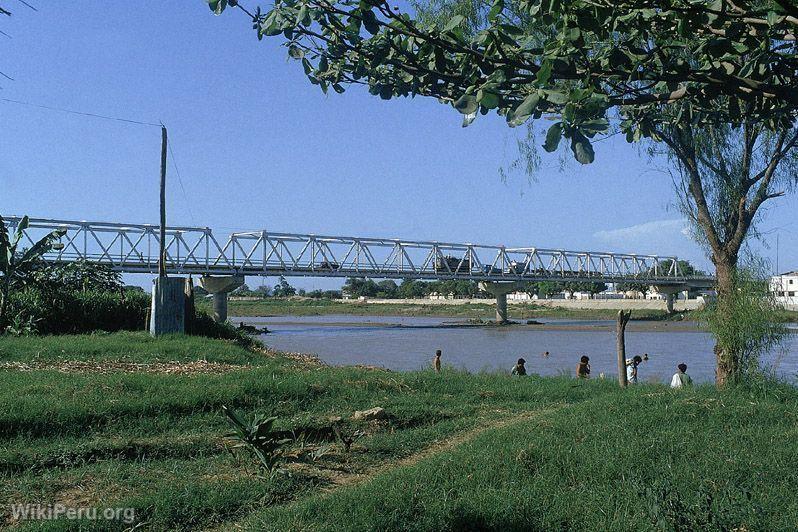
<point>162,255</point>
<point>190,312</point>
<point>623,318</point>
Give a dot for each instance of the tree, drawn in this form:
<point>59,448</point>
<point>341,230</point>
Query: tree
<point>750,323</point>
<point>387,289</point>
<point>685,268</point>
<point>283,289</point>
<point>576,59</point>
<point>708,79</point>
<point>78,276</point>
<point>726,173</point>
<point>359,287</point>
<point>591,287</point>
<point>411,289</point>
<point>632,287</point>
<point>242,290</point>
<point>263,291</point>
<point>547,288</point>
<point>16,262</point>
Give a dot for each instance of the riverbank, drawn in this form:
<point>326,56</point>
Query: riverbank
<point>127,421</point>
<point>484,310</point>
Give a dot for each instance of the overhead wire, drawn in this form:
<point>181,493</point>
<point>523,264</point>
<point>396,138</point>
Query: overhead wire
<point>80,113</point>
<point>118,119</point>
<point>180,181</point>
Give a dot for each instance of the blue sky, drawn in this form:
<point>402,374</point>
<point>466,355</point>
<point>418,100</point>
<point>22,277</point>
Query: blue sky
<point>257,146</point>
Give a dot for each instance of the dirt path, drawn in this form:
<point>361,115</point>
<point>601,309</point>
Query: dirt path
<point>344,480</point>
<point>354,479</point>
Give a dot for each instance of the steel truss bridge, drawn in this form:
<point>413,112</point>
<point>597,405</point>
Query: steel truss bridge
<point>134,248</point>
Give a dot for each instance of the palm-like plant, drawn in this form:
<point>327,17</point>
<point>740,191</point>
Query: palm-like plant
<point>14,262</point>
<point>256,435</point>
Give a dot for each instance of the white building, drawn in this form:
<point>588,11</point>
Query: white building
<point>785,288</point>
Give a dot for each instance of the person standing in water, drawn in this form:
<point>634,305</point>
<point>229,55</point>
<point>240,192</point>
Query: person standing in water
<point>631,369</point>
<point>681,379</point>
<point>583,368</point>
<point>436,362</point>
<point>519,368</point>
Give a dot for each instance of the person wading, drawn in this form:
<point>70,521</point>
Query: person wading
<point>583,367</point>
<point>681,379</point>
<point>631,369</point>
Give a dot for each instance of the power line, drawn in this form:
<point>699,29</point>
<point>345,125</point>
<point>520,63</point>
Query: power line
<point>180,181</point>
<point>27,4</point>
<point>80,113</point>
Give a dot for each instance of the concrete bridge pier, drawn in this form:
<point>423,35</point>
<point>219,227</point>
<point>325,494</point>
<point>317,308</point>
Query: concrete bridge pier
<point>499,290</point>
<point>220,287</point>
<point>670,292</point>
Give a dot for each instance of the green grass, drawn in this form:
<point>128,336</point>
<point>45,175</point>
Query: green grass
<point>642,460</point>
<point>474,451</point>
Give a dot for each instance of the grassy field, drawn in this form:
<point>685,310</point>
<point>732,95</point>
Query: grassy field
<point>318,307</point>
<point>124,420</point>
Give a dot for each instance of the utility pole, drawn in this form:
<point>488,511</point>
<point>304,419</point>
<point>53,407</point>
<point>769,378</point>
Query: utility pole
<point>162,255</point>
<point>169,305</point>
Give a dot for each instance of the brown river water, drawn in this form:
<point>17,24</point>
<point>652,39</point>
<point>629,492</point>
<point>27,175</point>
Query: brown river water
<point>408,343</point>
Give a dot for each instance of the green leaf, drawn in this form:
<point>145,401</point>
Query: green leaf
<point>23,224</point>
<point>495,10</point>
<point>41,247</point>
<point>296,52</point>
<point>370,22</point>
<point>618,59</point>
<point>555,97</point>
<point>454,22</point>
<point>543,74</point>
<point>553,136</point>
<point>583,150</point>
<point>466,104</point>
<point>524,110</point>
<point>217,6</point>
<point>591,127</point>
<point>488,99</point>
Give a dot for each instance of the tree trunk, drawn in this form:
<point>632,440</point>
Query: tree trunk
<point>727,362</point>
<point>623,318</point>
<point>4,303</point>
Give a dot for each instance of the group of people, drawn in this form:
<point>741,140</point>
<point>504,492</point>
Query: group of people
<point>680,378</point>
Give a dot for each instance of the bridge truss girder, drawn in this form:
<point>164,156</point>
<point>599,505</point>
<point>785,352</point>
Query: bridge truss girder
<point>133,248</point>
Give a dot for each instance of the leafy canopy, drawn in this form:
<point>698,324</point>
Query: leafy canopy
<point>583,62</point>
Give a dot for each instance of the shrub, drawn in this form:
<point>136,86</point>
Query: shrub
<point>46,309</point>
<point>71,312</point>
<point>204,325</point>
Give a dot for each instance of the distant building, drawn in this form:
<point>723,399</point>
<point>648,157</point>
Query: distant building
<point>437,296</point>
<point>785,288</point>
<point>520,296</point>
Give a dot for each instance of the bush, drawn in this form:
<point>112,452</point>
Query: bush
<point>83,312</point>
<point>71,312</point>
<point>203,325</point>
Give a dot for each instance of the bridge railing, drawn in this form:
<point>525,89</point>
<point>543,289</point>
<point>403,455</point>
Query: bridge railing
<point>134,248</point>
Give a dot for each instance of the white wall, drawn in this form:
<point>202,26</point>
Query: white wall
<point>786,289</point>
